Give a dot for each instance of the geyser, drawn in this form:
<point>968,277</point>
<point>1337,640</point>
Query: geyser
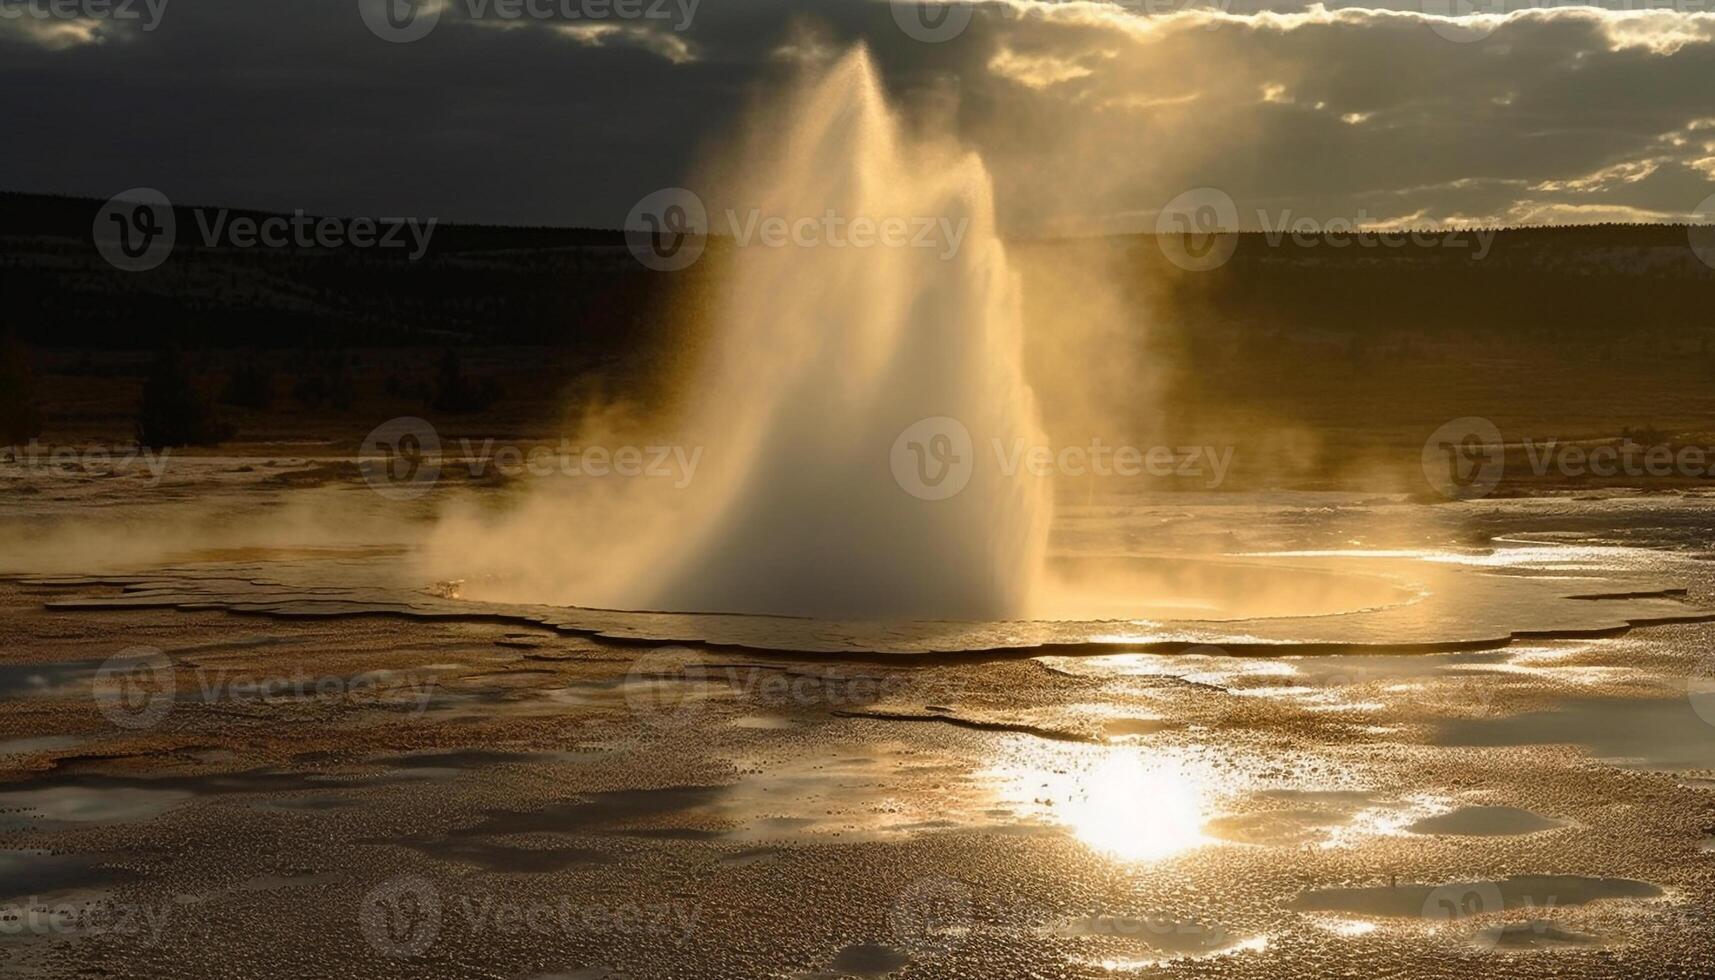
<point>849,384</point>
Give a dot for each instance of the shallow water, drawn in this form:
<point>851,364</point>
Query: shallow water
<point>1414,776</point>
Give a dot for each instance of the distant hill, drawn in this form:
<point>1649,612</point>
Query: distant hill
<point>579,288</point>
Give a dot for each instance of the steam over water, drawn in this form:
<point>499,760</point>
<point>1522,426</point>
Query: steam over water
<point>826,356</point>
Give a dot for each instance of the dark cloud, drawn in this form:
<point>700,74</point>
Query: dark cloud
<point>1087,113</point>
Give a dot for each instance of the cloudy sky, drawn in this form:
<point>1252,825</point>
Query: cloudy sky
<point>1091,115</point>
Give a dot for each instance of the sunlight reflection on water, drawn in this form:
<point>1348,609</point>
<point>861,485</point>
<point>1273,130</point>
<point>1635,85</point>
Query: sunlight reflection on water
<point>1127,804</point>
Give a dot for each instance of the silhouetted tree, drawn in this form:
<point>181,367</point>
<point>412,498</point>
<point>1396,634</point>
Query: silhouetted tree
<point>19,420</point>
<point>174,412</point>
<point>456,393</point>
<point>326,380</point>
<point>251,385</point>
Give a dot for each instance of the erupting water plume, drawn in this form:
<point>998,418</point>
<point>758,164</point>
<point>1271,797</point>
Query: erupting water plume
<point>848,411</point>
<point>827,354</point>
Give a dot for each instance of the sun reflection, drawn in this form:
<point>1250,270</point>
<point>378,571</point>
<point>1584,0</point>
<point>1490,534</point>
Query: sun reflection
<point>1124,803</point>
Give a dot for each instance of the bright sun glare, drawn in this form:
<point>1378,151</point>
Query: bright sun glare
<point>1127,805</point>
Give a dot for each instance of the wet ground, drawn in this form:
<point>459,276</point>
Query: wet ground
<point>279,764</point>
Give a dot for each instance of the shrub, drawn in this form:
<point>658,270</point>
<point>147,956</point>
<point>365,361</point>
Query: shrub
<point>174,412</point>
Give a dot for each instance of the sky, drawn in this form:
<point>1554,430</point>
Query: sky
<point>1090,115</point>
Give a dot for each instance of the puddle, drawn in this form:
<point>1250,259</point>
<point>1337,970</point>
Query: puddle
<point>1646,733</point>
<point>42,680</point>
<point>1165,958</point>
<point>1328,818</point>
<point>1534,934</point>
<point>70,799</point>
<point>1473,897</point>
<point>866,960</point>
<point>40,743</point>
<point>1485,821</point>
<point>43,875</point>
<point>52,807</point>
<point>502,858</point>
<point>662,813</point>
